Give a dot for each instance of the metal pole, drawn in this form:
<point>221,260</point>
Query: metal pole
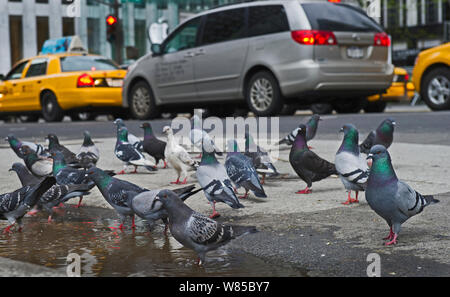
<point>119,39</point>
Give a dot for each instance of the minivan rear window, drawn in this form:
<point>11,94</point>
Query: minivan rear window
<point>339,17</point>
<point>86,63</point>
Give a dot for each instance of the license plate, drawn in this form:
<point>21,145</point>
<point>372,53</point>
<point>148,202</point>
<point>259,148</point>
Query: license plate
<point>355,52</point>
<point>114,83</point>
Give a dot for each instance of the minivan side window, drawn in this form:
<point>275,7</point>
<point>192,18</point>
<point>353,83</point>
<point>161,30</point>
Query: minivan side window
<point>267,19</point>
<point>37,67</point>
<point>224,26</point>
<point>184,38</point>
<point>16,73</point>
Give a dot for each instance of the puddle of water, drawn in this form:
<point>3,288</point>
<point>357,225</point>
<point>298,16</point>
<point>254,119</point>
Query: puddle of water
<point>106,251</point>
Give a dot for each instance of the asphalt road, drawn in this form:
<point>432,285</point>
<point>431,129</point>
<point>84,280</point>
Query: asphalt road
<point>414,125</point>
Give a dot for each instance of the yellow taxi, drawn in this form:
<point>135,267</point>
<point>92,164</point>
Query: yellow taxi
<point>55,85</point>
<point>401,89</point>
<point>431,77</point>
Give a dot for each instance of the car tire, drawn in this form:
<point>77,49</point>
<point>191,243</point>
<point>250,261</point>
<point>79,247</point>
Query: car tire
<point>350,105</point>
<point>376,106</point>
<point>32,118</point>
<point>142,102</point>
<point>436,97</point>
<point>263,94</point>
<point>51,111</point>
<point>321,108</point>
<point>288,110</point>
<point>83,116</point>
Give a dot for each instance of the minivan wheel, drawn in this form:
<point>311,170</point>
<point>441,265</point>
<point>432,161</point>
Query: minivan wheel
<point>51,111</point>
<point>142,103</point>
<point>321,108</point>
<point>263,94</point>
<point>435,90</point>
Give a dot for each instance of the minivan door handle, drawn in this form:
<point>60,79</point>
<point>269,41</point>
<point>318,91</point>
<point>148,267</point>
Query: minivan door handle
<point>200,52</point>
<point>189,55</point>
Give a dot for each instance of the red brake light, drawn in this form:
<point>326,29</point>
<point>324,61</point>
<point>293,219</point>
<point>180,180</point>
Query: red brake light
<point>314,37</point>
<point>85,80</point>
<point>335,1</point>
<point>381,39</point>
<point>406,77</point>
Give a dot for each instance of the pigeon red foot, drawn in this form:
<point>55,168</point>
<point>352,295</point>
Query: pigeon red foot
<point>304,191</point>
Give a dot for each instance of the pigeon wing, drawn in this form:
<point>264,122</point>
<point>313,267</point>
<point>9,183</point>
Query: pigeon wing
<point>205,231</point>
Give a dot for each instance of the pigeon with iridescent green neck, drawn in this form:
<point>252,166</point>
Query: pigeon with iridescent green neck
<point>54,146</point>
<point>132,139</point>
<point>152,145</point>
<point>130,155</point>
<point>308,166</point>
<point>311,129</point>
<point>37,165</point>
<point>384,135</point>
<point>350,164</point>
<point>392,199</point>
<point>213,178</point>
<point>241,171</point>
<point>16,144</point>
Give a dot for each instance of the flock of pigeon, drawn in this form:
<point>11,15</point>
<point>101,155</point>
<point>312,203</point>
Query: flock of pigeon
<point>51,176</point>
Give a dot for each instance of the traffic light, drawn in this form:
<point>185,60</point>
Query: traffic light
<point>111,28</point>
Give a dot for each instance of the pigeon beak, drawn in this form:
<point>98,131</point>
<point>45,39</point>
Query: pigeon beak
<point>341,130</point>
<point>394,123</point>
<point>369,156</point>
<point>6,138</point>
<point>10,169</point>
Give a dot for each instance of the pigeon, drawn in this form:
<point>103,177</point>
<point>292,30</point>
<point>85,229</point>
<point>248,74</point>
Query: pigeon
<point>384,135</point>
<point>241,171</point>
<point>308,166</point>
<point>66,175</point>
<point>148,208</point>
<point>55,195</point>
<point>128,154</point>
<point>198,136</point>
<point>195,230</point>
<point>88,154</point>
<point>260,158</point>
<point>53,146</point>
<point>133,140</point>
<point>311,129</point>
<point>25,176</point>
<point>152,145</point>
<point>213,178</point>
<point>14,205</point>
<point>350,164</point>
<point>37,165</point>
<point>16,144</point>
<point>392,199</point>
<point>177,156</point>
<point>118,193</point>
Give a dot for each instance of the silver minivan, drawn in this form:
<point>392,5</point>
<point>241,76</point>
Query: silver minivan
<point>262,55</point>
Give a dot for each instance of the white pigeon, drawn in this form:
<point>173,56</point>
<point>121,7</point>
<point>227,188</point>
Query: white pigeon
<point>350,164</point>
<point>177,156</point>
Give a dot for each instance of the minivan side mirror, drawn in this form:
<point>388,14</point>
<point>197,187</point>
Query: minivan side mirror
<point>156,49</point>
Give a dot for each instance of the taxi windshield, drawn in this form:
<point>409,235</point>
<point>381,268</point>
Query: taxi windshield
<point>86,63</point>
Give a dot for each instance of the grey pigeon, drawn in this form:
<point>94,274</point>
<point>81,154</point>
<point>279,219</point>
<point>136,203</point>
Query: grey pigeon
<point>311,129</point>
<point>37,165</point>
<point>195,230</point>
<point>152,145</point>
<point>66,175</point>
<point>213,178</point>
<point>128,154</point>
<point>55,195</point>
<point>89,153</point>
<point>392,199</point>
<point>241,171</point>
<point>198,136</point>
<point>132,139</point>
<point>260,158</point>
<point>118,193</point>
<point>14,205</point>
<point>54,146</point>
<point>350,164</point>
<point>383,135</point>
<point>148,208</point>
<point>16,145</point>
<point>308,166</point>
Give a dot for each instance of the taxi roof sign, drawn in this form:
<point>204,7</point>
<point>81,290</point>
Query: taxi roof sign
<point>63,45</point>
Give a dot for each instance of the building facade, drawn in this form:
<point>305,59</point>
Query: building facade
<point>26,24</point>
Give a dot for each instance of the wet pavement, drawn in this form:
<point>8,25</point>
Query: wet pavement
<point>92,233</point>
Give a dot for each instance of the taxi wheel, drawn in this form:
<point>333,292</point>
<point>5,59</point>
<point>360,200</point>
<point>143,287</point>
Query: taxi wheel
<point>51,111</point>
<point>435,89</point>
<point>142,103</point>
<point>377,106</point>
